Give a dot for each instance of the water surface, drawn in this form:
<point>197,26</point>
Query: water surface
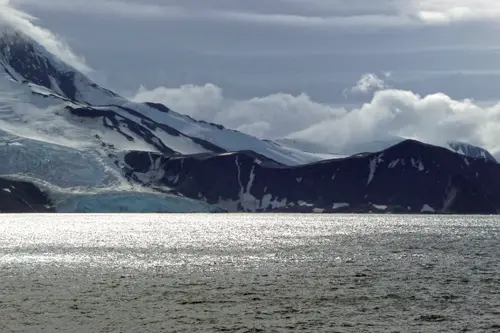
<point>249,273</point>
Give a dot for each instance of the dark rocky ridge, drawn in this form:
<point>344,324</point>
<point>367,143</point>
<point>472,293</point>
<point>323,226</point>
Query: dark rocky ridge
<point>410,177</point>
<point>23,197</point>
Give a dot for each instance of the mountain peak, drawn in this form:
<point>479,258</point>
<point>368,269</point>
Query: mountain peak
<point>471,151</point>
<point>31,62</point>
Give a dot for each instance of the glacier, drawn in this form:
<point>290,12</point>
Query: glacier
<point>128,202</point>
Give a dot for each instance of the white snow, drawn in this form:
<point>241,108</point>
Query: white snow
<point>340,205</point>
<point>155,173</point>
<point>335,174</point>
<point>239,173</point>
<point>450,198</point>
<point>380,207</point>
<point>246,200</point>
<point>393,164</point>
<point>427,209</point>
<point>417,164</point>
<point>373,167</point>
<point>278,203</point>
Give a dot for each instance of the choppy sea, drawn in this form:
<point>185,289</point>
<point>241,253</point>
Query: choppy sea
<point>249,273</point>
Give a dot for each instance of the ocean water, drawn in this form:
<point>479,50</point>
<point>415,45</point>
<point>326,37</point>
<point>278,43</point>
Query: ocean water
<point>249,273</point>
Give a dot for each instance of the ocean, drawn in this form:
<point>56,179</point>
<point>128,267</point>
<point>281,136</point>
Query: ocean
<point>249,273</point>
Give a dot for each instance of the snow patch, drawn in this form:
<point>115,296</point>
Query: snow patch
<point>417,164</point>
<point>279,203</point>
<point>373,167</point>
<point>339,205</point>
<point>335,174</point>
<point>427,209</point>
<point>267,202</point>
<point>393,164</point>
<point>155,173</point>
<point>246,200</point>
<point>450,198</point>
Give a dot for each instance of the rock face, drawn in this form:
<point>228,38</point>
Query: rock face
<point>23,197</point>
<point>410,177</point>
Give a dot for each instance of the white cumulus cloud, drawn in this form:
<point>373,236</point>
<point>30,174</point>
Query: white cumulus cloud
<point>434,118</point>
<point>272,116</point>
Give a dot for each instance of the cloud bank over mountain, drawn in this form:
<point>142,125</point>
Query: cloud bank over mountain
<point>433,118</point>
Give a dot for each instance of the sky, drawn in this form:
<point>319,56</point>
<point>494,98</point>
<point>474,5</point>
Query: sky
<point>329,71</point>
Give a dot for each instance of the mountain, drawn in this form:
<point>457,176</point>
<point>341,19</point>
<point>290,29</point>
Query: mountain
<point>471,151</point>
<point>410,177</point>
<point>66,134</point>
<point>51,82</point>
<point>70,145</point>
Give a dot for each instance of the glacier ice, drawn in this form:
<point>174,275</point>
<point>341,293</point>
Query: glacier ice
<point>129,202</point>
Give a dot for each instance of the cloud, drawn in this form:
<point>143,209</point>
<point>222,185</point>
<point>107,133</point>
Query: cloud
<point>445,11</point>
<point>312,13</point>
<point>273,12</point>
<point>368,83</point>
<point>434,118</point>
<point>129,9</point>
<point>272,116</point>
<point>23,22</point>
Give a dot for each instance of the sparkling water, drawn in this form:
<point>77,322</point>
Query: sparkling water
<point>249,273</point>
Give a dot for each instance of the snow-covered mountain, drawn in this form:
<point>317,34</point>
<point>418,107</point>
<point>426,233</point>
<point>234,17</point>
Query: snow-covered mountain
<point>38,78</point>
<point>68,135</point>
<point>469,150</point>
<point>69,145</point>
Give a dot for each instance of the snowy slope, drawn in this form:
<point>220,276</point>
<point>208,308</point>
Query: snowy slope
<point>471,151</point>
<point>75,160</point>
<point>162,129</point>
